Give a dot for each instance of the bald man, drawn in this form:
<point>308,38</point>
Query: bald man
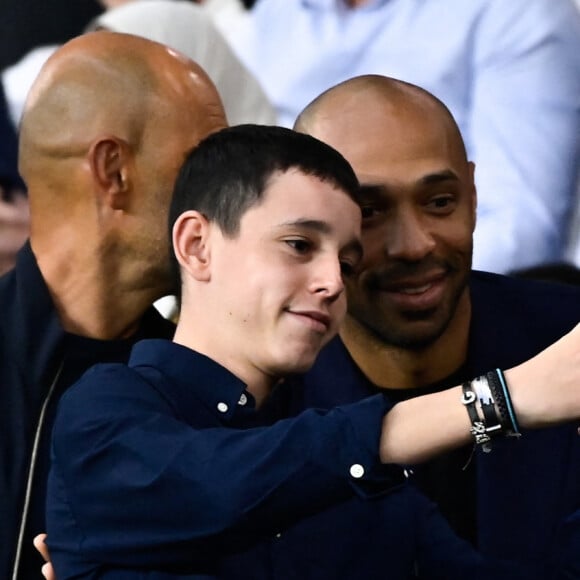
<point>421,320</point>
<point>106,127</point>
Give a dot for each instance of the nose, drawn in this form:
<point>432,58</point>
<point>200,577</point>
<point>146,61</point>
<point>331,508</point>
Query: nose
<point>408,237</point>
<point>328,278</point>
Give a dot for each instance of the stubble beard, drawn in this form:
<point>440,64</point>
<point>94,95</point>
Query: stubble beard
<point>405,332</point>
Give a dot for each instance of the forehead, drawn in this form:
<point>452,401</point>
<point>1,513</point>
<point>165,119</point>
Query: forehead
<point>384,143</point>
<point>292,198</point>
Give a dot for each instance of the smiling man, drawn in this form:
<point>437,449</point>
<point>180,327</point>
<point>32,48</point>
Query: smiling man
<point>419,204</point>
<point>421,320</point>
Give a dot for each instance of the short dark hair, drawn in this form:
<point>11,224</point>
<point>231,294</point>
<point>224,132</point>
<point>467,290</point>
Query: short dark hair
<point>228,172</point>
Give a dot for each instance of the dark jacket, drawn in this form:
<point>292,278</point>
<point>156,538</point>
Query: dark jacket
<point>526,489</point>
<point>38,361</point>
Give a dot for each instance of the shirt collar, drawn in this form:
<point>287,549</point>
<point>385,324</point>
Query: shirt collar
<point>194,378</point>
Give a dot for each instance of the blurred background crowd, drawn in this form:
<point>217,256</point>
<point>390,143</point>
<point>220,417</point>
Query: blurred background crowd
<point>508,71</point>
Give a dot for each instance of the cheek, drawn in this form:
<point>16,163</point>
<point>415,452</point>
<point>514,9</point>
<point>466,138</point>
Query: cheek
<point>373,249</point>
<point>341,307</point>
<point>464,222</point>
<point>458,236</point>
<point>243,280</point>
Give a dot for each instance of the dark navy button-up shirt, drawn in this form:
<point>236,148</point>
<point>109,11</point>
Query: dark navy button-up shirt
<point>165,469</point>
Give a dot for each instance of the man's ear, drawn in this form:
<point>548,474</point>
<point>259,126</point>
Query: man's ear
<point>109,160</point>
<point>191,237</point>
<point>473,193</point>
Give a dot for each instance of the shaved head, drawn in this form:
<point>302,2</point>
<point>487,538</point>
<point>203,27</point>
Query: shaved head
<point>107,83</point>
<point>106,127</point>
<point>347,103</point>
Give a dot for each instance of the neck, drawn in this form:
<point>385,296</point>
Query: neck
<point>389,366</point>
<point>93,295</point>
<point>260,391</point>
<point>198,330</point>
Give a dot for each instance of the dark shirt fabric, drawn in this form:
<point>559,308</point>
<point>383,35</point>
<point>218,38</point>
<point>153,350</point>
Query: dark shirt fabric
<point>165,469</point>
<point>567,549</point>
<point>517,500</point>
<point>38,362</point>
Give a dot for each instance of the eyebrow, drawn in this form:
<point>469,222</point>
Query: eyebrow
<point>322,227</point>
<point>371,190</point>
<point>376,189</point>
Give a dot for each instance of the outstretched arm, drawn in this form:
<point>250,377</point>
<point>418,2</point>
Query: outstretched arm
<point>545,390</point>
<point>203,487</point>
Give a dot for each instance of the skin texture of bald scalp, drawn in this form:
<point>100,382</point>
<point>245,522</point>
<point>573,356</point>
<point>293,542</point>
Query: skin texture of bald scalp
<point>105,129</point>
<point>409,309</point>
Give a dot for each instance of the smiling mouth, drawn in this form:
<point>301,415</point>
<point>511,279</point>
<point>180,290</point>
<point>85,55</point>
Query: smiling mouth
<point>409,281</point>
<point>415,290</point>
<point>317,321</point>
<point>416,295</point>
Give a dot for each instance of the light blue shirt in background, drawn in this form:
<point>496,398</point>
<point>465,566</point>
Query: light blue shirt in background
<point>509,70</point>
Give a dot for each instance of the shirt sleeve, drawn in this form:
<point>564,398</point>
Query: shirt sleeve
<point>132,485</point>
<point>524,131</point>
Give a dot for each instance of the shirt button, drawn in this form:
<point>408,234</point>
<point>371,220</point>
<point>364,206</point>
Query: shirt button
<point>243,399</point>
<point>357,470</point>
<point>222,407</point>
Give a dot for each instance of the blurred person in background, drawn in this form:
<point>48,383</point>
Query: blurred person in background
<point>27,24</point>
<point>13,201</point>
<point>186,27</point>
